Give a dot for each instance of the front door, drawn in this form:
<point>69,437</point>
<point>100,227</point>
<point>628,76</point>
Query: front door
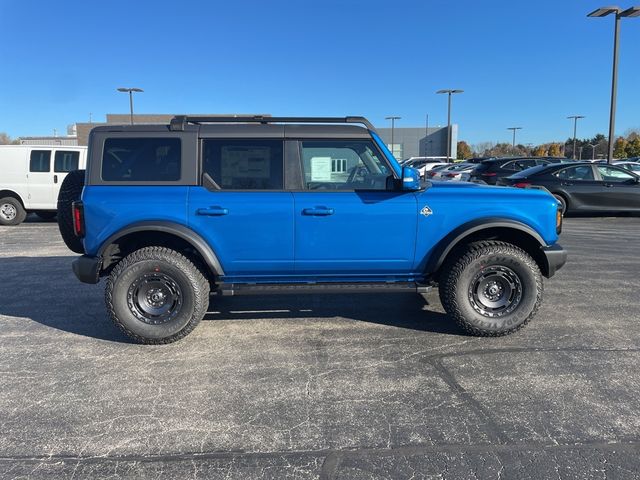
<point>242,209</point>
<point>40,181</point>
<point>620,192</point>
<point>348,224</point>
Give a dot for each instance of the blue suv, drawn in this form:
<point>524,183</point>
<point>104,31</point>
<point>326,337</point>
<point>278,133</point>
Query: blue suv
<point>171,214</point>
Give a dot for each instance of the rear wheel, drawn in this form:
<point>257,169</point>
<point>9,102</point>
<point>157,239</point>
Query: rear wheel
<point>156,295</point>
<point>491,288</point>
<point>11,211</point>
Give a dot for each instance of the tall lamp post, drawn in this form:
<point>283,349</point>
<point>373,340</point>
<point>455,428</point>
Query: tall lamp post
<point>449,92</point>
<point>619,13</point>
<point>393,126</point>
<point>593,150</point>
<point>514,129</point>
<point>575,128</point>
<point>130,91</point>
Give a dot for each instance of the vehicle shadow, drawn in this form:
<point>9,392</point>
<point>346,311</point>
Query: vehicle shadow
<point>44,290</point>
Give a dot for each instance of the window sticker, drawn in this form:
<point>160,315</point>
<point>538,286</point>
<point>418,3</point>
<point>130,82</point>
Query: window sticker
<point>320,169</point>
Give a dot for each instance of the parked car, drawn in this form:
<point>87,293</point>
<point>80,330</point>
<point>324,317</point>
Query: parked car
<point>583,187</point>
<point>489,171</point>
<point>631,166</point>
<point>228,205</point>
<point>434,171</point>
<point>30,178</point>
<point>455,172</point>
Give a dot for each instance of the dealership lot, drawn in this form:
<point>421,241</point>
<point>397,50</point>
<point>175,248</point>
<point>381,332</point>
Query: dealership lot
<point>313,386</point>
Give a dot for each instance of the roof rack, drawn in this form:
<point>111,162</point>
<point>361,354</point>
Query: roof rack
<point>179,122</point>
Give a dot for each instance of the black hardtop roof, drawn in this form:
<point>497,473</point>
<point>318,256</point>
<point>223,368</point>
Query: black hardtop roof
<point>237,126</point>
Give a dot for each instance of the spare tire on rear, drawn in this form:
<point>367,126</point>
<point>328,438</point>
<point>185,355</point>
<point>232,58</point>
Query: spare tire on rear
<point>70,191</point>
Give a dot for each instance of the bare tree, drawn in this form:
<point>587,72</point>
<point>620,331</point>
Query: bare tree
<point>5,139</point>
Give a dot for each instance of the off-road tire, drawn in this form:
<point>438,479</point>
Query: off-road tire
<point>11,211</point>
<point>46,214</point>
<point>70,191</point>
<point>151,262</point>
<point>459,280</point>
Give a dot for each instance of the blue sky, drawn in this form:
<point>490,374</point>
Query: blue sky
<point>526,64</point>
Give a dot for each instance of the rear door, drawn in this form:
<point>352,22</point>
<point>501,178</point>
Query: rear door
<point>64,161</point>
<point>347,223</point>
<point>242,208</point>
<point>40,180</point>
<point>621,190</point>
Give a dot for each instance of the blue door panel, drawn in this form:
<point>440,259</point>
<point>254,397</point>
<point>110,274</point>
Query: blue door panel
<point>355,233</point>
<point>250,231</point>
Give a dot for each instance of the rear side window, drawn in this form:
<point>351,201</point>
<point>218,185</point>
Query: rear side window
<point>148,159</point>
<point>245,164</point>
<point>581,172</point>
<point>65,161</point>
<point>40,161</point>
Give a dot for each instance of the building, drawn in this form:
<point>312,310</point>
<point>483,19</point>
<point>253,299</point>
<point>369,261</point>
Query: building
<point>417,142</point>
<point>407,141</point>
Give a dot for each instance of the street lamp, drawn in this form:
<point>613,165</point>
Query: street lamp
<point>575,126</point>
<point>619,13</point>
<point>593,150</point>
<point>513,147</point>
<point>393,125</point>
<point>449,92</point>
<point>130,91</point>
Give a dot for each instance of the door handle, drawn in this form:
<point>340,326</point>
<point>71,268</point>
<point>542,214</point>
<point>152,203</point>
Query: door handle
<point>566,184</point>
<point>212,211</point>
<point>318,211</point>
<point>55,179</point>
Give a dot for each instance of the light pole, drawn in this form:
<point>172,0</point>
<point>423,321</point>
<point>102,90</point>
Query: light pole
<point>619,13</point>
<point>393,126</point>
<point>130,91</point>
<point>449,93</point>
<point>575,128</point>
<point>593,150</point>
<point>426,136</point>
<point>513,145</point>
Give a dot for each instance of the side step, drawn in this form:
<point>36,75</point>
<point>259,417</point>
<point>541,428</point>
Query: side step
<point>229,289</point>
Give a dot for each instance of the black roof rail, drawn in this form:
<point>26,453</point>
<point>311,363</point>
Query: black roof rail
<point>179,122</point>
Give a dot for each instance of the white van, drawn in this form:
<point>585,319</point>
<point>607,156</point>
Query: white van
<point>30,178</point>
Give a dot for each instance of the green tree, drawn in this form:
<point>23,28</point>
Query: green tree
<point>620,148</point>
<point>464,150</point>
<point>633,147</point>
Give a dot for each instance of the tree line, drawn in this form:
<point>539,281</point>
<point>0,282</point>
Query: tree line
<point>625,146</point>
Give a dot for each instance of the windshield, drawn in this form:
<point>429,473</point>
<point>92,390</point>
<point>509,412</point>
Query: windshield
<point>392,160</point>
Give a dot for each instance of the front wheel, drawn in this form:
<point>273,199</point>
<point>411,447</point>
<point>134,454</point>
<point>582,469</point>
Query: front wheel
<point>156,295</point>
<point>491,288</point>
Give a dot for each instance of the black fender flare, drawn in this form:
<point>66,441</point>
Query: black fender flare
<point>181,231</point>
<point>444,246</point>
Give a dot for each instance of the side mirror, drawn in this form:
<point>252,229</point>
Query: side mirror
<point>410,179</point>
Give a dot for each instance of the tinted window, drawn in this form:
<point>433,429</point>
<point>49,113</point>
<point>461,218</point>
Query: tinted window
<point>524,164</point>
<point>66,161</point>
<point>141,159</point>
<point>40,161</point>
<point>610,174</point>
<point>529,172</point>
<point>364,168</point>
<point>246,164</point>
<point>582,172</point>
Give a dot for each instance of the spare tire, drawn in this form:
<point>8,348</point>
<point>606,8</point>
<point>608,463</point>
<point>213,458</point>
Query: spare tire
<point>70,191</point>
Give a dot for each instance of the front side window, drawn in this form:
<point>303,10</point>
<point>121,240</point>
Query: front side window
<point>244,164</point>
<point>360,165</point>
<point>610,174</point>
<point>40,161</point>
<point>65,161</point>
<point>582,172</point>
<point>150,159</point>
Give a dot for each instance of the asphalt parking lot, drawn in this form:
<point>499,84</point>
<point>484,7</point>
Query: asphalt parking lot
<point>366,386</point>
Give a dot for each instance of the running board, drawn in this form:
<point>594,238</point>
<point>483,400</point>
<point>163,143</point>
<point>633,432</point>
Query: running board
<point>229,289</point>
